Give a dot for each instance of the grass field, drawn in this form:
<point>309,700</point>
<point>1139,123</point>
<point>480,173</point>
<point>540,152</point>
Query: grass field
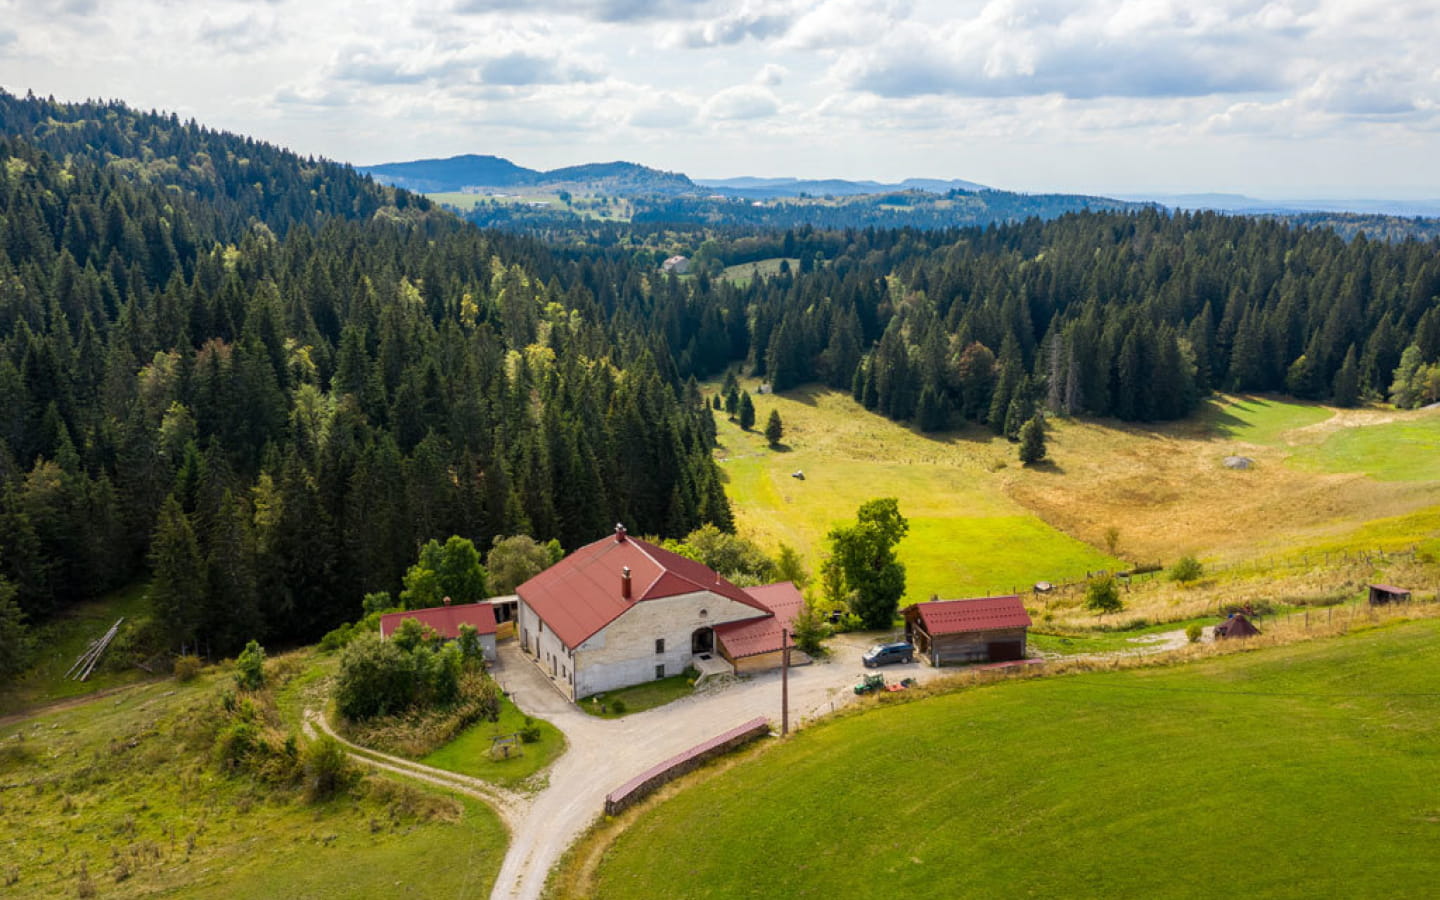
<point>60,641</point>
<point>745,272</point>
<point>120,798</point>
<point>1320,478</point>
<point>469,754</point>
<point>967,536</point>
<point>1299,771</point>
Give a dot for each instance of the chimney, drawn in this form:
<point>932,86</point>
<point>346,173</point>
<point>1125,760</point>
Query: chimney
<point>619,533</point>
<point>625,581</point>
<point>447,601</point>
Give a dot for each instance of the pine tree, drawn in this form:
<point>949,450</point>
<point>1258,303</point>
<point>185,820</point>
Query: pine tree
<point>1346,389</point>
<point>177,591</point>
<point>746,411</point>
<point>1032,441</point>
<point>774,430</point>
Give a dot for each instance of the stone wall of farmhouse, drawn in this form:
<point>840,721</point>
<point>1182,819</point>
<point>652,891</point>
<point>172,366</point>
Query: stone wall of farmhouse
<point>540,642</point>
<point>624,652</point>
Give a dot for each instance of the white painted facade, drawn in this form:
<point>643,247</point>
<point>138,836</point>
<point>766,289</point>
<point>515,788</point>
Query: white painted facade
<point>627,651</point>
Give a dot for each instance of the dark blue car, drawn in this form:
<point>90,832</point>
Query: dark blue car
<point>884,654</point>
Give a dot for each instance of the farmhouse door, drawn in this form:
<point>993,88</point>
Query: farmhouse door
<point>702,640</point>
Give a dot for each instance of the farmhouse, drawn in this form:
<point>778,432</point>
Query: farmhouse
<point>1387,593</point>
<point>622,611</point>
<point>676,265</point>
<point>446,620</point>
<point>963,631</point>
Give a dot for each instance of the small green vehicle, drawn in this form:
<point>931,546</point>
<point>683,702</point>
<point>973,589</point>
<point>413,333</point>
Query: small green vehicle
<point>870,683</point>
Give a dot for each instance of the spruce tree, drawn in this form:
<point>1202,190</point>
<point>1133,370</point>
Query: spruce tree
<point>774,430</point>
<point>1346,390</point>
<point>178,589</point>
<point>746,411</point>
<point>1032,441</point>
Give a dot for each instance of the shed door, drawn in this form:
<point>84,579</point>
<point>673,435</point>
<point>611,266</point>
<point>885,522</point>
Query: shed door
<point>1001,651</point>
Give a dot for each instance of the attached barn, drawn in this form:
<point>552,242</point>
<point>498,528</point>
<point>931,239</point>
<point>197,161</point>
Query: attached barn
<point>982,629</point>
<point>754,645</point>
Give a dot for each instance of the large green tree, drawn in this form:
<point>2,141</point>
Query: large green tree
<point>865,553</point>
<point>450,570</point>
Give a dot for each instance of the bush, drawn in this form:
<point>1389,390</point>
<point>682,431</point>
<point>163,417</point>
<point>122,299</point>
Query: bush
<point>325,768</point>
<point>1103,596</point>
<point>382,677</point>
<point>250,667</point>
<point>186,668</point>
<point>1193,631</point>
<point>530,733</point>
<point>618,707</point>
<point>1187,568</point>
<point>810,632</point>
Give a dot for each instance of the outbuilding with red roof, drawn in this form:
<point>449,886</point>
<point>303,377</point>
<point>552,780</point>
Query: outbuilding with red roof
<point>981,629</point>
<point>622,611</point>
<point>446,621</point>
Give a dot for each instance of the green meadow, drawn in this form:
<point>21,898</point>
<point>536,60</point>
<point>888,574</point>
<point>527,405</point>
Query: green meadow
<point>1299,771</point>
<point>122,797</point>
<point>967,537</point>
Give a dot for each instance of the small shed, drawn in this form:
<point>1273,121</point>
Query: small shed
<point>1388,593</point>
<point>676,265</point>
<point>980,629</point>
<point>1237,626</point>
<point>446,620</point>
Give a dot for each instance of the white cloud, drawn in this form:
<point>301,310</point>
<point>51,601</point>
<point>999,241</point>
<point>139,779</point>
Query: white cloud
<point>743,101</point>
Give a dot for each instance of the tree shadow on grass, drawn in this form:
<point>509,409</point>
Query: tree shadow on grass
<point>1048,466</point>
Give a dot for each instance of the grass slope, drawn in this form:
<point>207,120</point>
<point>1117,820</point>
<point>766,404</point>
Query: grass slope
<point>60,641</point>
<point>966,536</point>
<point>1307,770</point>
<point>121,794</point>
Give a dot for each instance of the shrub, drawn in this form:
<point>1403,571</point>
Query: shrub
<point>1102,595</point>
<point>250,667</point>
<point>530,732</point>
<point>1187,568</point>
<point>617,706</point>
<point>186,668</point>
<point>471,651</point>
<point>1193,631</point>
<point>810,632</point>
<point>326,768</point>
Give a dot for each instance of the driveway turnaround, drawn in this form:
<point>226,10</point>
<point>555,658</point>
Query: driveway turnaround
<point>605,753</point>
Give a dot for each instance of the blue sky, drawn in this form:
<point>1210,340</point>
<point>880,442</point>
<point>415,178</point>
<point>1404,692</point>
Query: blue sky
<point>1270,98</point>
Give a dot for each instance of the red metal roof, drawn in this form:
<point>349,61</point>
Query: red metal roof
<point>752,637</point>
<point>979,614</point>
<point>581,594</point>
<point>1390,589</point>
<point>446,620</point>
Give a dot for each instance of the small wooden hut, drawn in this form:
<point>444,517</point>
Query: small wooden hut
<point>1237,626</point>
<point>984,629</point>
<point>1387,593</point>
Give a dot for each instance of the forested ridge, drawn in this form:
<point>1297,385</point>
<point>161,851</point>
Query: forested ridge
<point>271,404</point>
<point>266,381</point>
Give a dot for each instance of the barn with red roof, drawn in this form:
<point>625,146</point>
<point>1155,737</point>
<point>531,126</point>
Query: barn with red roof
<point>446,621</point>
<point>981,629</point>
<point>622,611</point>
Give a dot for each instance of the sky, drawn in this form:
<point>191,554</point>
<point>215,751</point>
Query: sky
<point>1274,99</point>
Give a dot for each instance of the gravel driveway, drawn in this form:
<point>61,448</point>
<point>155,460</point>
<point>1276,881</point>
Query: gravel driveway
<point>605,753</point>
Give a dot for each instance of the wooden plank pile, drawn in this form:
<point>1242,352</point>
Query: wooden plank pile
<point>85,663</point>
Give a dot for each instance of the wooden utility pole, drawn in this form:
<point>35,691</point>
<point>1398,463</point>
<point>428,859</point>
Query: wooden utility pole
<point>784,682</point>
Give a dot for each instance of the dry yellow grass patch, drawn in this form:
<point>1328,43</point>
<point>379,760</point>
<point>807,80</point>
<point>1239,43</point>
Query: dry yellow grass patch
<point>1168,493</point>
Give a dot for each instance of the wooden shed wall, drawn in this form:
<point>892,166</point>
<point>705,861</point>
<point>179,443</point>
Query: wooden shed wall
<point>764,662</point>
<point>972,646</point>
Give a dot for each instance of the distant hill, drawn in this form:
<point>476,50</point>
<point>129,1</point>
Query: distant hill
<point>749,187</point>
<point>475,171</point>
<point>439,175</point>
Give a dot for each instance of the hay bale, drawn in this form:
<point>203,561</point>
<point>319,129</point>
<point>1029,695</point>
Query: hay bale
<point>1238,462</point>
